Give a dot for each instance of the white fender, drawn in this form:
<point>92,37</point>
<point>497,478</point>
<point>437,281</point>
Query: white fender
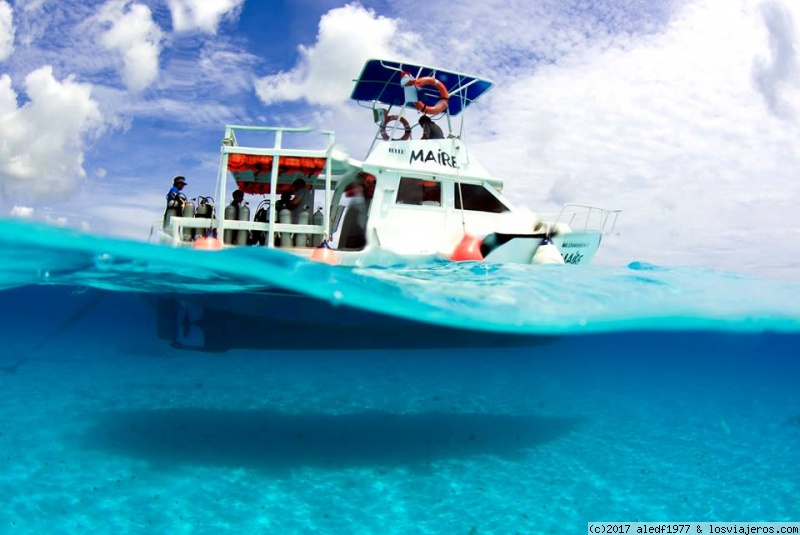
<point>547,253</point>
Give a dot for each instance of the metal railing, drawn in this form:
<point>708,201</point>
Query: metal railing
<point>586,217</point>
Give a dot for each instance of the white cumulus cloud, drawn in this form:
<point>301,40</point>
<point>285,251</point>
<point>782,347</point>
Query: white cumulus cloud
<point>688,130</point>
<point>22,212</point>
<point>6,30</point>
<point>347,37</point>
<point>135,35</point>
<point>41,152</point>
<point>202,15</point>
<point>776,74</point>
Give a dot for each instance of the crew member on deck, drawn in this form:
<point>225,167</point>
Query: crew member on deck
<point>300,199</point>
<point>238,197</point>
<point>430,130</point>
<point>173,197</point>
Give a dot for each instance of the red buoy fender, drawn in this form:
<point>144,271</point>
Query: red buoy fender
<point>207,244</point>
<point>323,253</point>
<point>469,248</point>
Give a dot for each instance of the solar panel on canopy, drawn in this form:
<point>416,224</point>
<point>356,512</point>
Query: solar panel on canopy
<point>380,81</point>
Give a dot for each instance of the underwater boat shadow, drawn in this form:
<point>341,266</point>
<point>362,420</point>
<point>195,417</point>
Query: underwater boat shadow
<point>277,443</point>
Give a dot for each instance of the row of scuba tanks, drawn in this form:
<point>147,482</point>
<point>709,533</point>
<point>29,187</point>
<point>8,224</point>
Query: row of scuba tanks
<point>183,207</point>
<point>205,209</point>
<point>282,239</point>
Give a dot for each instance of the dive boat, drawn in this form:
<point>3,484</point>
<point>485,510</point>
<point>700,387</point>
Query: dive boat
<point>409,198</point>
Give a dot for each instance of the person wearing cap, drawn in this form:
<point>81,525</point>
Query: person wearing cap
<point>173,197</point>
<point>430,130</point>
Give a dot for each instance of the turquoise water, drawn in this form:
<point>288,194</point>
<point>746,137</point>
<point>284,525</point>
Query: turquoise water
<point>152,390</point>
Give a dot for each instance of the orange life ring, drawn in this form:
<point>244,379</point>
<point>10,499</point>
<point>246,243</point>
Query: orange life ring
<point>440,106</point>
<point>403,121</point>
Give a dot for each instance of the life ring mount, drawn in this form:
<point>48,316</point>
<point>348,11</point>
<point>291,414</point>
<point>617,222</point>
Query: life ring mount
<point>398,118</point>
<point>444,95</point>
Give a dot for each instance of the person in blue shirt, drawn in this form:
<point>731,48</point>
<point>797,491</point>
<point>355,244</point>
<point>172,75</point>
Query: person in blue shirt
<point>173,197</point>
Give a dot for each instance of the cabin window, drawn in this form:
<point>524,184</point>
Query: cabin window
<point>478,199</point>
<point>418,192</point>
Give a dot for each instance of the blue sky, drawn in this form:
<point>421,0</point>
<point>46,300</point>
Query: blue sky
<point>686,114</point>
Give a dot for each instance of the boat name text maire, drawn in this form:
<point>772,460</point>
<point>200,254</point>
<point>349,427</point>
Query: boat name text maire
<point>440,157</point>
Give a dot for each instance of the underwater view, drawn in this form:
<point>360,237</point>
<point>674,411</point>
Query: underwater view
<point>156,390</point>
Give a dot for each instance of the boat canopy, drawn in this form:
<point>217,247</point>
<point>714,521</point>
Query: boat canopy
<point>379,81</point>
<point>252,172</point>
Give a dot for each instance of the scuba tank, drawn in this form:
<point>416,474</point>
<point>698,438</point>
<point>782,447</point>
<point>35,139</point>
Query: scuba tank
<point>172,211</point>
<point>242,235</point>
<point>262,216</point>
<point>285,217</point>
<point>205,210</point>
<point>302,219</point>
<point>231,214</point>
<point>317,219</point>
<point>188,211</point>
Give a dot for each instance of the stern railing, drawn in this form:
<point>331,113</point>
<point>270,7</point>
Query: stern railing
<point>584,217</point>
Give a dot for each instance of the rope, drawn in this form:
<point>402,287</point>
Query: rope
<point>458,182</point>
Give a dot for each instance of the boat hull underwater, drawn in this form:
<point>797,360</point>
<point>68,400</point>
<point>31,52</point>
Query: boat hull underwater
<point>287,320</point>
